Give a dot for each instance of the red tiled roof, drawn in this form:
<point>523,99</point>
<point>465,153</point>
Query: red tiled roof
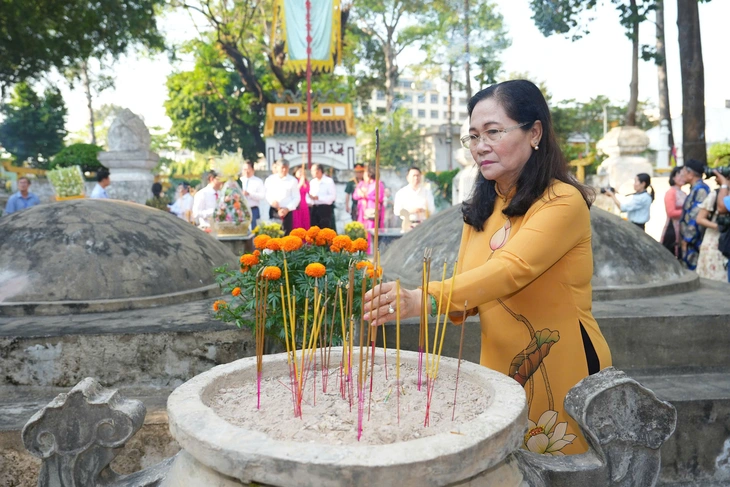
<point>323,127</point>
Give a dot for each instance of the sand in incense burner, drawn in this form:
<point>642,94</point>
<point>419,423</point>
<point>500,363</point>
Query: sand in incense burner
<point>214,418</point>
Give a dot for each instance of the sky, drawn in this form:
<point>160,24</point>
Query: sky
<point>597,64</point>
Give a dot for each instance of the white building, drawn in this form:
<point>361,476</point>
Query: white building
<point>427,102</point>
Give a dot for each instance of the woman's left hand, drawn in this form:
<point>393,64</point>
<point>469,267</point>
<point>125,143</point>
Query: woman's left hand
<point>380,303</point>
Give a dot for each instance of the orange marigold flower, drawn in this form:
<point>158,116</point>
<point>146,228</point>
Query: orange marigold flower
<point>360,245</point>
<point>363,264</point>
<point>261,241</point>
<point>244,269</point>
<point>328,234</point>
<point>371,271</point>
<point>291,243</point>
<point>312,233</point>
<point>257,253</point>
<point>315,270</point>
<point>341,242</point>
<point>249,260</point>
<point>272,273</point>
<point>236,291</point>
<point>299,232</point>
<point>320,240</point>
<point>219,304</point>
<point>237,205</point>
<point>274,244</point>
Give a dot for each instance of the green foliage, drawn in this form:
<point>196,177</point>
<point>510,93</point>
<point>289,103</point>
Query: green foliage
<point>487,39</point>
<point>718,155</point>
<point>442,186</point>
<point>209,109</point>
<point>584,120</point>
<point>33,129</point>
<point>400,140</point>
<point>83,155</point>
<point>38,35</point>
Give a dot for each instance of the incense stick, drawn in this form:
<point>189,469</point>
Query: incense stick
<point>458,366</point>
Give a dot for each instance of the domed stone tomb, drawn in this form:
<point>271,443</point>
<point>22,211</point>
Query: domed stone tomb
<point>627,263</point>
<point>103,255</point>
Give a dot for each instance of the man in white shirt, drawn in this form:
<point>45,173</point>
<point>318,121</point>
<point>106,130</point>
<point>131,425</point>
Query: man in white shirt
<point>253,190</point>
<point>282,193</point>
<point>183,206</point>
<point>205,200</point>
<point>321,199</point>
<point>103,180</point>
<point>416,198</point>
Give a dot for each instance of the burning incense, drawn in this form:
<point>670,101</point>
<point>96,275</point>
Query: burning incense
<point>397,344</point>
<point>458,367</point>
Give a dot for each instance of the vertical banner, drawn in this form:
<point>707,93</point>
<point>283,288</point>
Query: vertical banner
<point>326,40</point>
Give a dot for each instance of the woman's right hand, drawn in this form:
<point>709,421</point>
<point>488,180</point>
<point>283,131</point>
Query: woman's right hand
<point>382,298</point>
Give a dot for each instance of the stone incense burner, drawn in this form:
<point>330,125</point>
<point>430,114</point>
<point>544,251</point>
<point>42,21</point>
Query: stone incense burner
<point>218,453</point>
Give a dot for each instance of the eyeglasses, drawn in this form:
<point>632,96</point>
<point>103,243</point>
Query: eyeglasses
<point>489,136</point>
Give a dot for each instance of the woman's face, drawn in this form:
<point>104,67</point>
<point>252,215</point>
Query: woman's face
<point>367,177</point>
<point>679,179</point>
<point>639,186</point>
<point>299,173</point>
<point>501,161</point>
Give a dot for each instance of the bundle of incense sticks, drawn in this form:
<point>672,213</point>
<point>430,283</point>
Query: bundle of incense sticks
<point>261,293</point>
<point>433,368</point>
<point>423,330</point>
<point>458,367</point>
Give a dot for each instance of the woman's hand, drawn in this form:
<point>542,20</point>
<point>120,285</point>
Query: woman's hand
<point>381,301</point>
<point>719,177</point>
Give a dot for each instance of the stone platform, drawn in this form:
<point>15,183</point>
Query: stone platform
<point>143,353</point>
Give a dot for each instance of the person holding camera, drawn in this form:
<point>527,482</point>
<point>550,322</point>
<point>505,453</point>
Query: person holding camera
<point>525,262</point>
<point>691,231</point>
<point>637,207</point>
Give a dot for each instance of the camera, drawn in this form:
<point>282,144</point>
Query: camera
<point>607,188</point>
<point>724,170</point>
<point>723,222</point>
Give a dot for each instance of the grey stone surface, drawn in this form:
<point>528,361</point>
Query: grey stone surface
<point>625,426</point>
<point>626,261</point>
<point>90,250</point>
<point>128,133</point>
<point>79,433</point>
<point>247,456</point>
<point>159,347</point>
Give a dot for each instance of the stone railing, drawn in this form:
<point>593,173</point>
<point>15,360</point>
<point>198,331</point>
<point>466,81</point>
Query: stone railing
<point>79,433</point>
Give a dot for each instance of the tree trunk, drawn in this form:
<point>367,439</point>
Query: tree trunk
<point>693,81</point>
<point>467,71</point>
<point>87,90</point>
<point>391,76</point>
<point>664,111</point>
<point>634,98</point>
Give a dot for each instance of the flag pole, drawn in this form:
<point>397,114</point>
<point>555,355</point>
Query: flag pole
<point>308,4</point>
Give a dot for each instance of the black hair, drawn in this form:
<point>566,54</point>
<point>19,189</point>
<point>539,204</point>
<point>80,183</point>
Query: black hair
<point>102,174</point>
<point>415,168</point>
<point>211,175</point>
<point>156,190</point>
<point>523,102</point>
<point>673,174</point>
<point>646,179</point>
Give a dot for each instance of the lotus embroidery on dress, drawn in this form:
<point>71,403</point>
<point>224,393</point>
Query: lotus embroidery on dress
<point>500,237</point>
<point>547,436</point>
